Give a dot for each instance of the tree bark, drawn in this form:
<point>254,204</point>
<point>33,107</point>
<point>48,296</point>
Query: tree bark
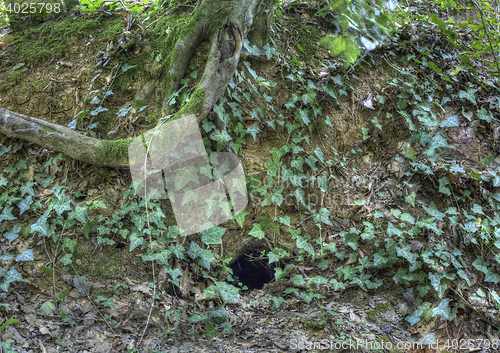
<point>111,153</point>
<point>225,23</point>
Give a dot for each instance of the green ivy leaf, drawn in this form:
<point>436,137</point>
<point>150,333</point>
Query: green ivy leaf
<point>213,235</point>
<point>80,214</point>
<point>429,338</point>
<point>298,280</point>
<point>240,217</point>
<point>12,234</point>
<point>451,121</point>
<point>7,214</point>
<point>210,331</point>
<point>25,204</point>
<point>257,231</point>
<point>41,226</point>
<point>443,310</point>
<point>302,243</point>
<point>135,241</point>
<point>26,255</point>
<point>433,211</point>
<point>469,95</point>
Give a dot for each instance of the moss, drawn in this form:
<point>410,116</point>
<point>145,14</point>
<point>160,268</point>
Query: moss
<point>195,103</point>
<point>35,42</point>
<point>15,76</point>
<point>314,325</point>
<point>4,87</point>
<point>138,104</point>
<point>22,88</point>
<point>39,83</point>
<point>308,37</point>
<point>116,149</point>
<point>123,81</point>
<point>380,308</point>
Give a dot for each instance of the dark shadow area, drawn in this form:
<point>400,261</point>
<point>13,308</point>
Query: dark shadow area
<point>251,271</point>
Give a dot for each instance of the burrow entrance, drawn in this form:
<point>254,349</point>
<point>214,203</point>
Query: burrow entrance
<point>250,270</point>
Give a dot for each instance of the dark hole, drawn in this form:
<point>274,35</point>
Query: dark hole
<point>250,271</point>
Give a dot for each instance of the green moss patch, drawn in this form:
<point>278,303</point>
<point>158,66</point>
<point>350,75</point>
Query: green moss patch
<point>55,38</point>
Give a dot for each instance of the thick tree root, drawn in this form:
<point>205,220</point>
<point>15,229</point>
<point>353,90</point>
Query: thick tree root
<point>60,138</point>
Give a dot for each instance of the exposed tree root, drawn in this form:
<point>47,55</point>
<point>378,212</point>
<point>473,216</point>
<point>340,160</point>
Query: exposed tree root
<point>60,138</point>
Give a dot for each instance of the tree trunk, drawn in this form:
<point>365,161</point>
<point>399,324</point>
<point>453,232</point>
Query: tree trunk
<point>225,23</point>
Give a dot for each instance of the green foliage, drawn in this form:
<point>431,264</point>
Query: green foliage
<point>357,23</point>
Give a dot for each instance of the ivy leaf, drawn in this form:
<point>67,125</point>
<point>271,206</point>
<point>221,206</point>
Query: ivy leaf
<point>41,226</point>
<point>48,308</point>
<point>206,258</point>
<point>302,115</point>
<point>451,121</point>
<point>391,230</point>
<point>437,141</point>
<point>253,131</point>
<point>80,214</point>
<point>227,291</point>
<point>347,272</point>
<point>240,217</point>
<point>379,261</point>
<point>213,235</point>
<point>4,149</point>
<point>7,214</point>
<point>302,243</point>
<point>456,168</point>
<point>311,162</point>
<point>323,216</point>
<point>406,217</point>
<point>210,331</point>
<point>415,317</point>
<point>66,259</point>
<point>221,137</point>
<point>477,209</point>
<point>434,212</point>
<point>491,276</point>
<point>298,280</point>
<point>285,220</point>
<point>26,255</point>
<point>12,234</point>
<point>469,95</point>
<point>405,252</point>
<point>273,257</point>
<point>98,110</point>
<point>185,175</point>
<point>435,279</point>
<point>126,67</point>
<point>25,204</point>
<point>429,338</point>
<point>257,231</point>
<point>319,153</point>
<point>337,285</point>
<point>443,310</point>
<point>27,189</point>
<point>410,198</point>
<point>135,241</point>
<point>194,250</point>
<point>272,167</point>
<point>62,205</point>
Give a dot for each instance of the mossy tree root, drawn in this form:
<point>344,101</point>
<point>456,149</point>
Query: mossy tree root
<point>225,24</point>
<point>59,138</point>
